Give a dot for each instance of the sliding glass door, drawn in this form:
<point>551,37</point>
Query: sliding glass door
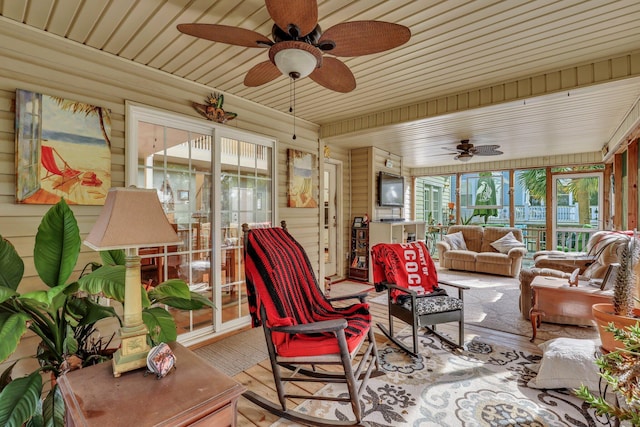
<point>210,180</point>
<point>246,197</point>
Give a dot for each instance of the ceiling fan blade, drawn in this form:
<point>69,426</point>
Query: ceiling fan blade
<point>226,34</point>
<point>334,75</point>
<point>261,73</point>
<point>301,13</point>
<point>487,150</point>
<point>365,37</point>
<point>455,150</point>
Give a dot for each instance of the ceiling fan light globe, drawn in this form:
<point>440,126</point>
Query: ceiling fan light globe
<point>295,59</point>
<point>464,157</point>
<point>295,63</point>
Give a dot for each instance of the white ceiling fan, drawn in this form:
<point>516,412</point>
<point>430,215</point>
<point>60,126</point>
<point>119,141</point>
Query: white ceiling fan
<point>467,150</point>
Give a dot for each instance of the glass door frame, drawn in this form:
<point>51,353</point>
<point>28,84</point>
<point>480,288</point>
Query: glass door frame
<point>554,179</point>
<point>219,133</point>
<point>136,113</point>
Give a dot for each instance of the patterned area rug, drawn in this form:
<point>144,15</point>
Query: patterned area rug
<point>493,302</point>
<point>481,386</point>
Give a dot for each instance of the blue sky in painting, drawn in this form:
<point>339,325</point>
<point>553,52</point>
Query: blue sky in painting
<point>61,121</point>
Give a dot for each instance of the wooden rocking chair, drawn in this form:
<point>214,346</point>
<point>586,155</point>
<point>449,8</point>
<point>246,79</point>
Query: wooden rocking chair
<point>302,329</point>
<point>411,279</point>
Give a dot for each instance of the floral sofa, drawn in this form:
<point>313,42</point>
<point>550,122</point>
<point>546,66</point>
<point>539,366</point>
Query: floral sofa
<point>493,250</point>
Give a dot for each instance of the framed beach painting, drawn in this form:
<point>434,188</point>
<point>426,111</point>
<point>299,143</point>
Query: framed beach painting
<point>63,150</point>
<point>301,169</point>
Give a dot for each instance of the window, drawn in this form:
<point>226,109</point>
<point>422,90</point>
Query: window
<point>433,204</point>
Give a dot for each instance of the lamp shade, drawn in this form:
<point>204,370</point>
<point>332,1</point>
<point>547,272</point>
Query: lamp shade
<point>131,218</point>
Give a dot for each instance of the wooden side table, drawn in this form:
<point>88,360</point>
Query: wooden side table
<point>194,393</point>
<point>553,296</point>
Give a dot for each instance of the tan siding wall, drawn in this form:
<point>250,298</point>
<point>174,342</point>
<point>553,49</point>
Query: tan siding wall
<point>360,182</point>
<point>47,64</point>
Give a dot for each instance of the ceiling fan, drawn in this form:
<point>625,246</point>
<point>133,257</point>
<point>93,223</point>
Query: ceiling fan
<point>467,150</point>
<point>298,45</point>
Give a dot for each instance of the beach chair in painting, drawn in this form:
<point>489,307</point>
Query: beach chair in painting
<point>414,296</point>
<point>49,162</point>
<point>303,330</point>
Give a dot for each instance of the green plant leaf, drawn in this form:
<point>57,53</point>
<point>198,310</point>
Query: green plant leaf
<point>162,327</point>
<point>6,293</point>
<point>170,288</point>
<point>146,302</point>
<point>70,345</point>
<point>19,400</point>
<point>12,327</point>
<point>113,257</point>
<point>194,302</point>
<point>53,408</point>
<point>107,280</point>
<point>87,312</point>
<point>36,420</point>
<point>46,298</point>
<point>175,293</point>
<point>57,245</point>
<point>5,378</point>
<point>11,265</point>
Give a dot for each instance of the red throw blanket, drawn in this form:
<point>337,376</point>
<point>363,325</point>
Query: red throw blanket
<point>279,276</point>
<point>408,265</point>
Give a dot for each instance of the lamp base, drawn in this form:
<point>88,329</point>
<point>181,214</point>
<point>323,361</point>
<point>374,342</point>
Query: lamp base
<point>133,351</point>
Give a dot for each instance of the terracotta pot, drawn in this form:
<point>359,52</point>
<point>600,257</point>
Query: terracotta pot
<point>603,315</point>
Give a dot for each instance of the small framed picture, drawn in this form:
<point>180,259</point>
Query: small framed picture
<point>183,195</point>
<point>357,221</point>
<point>610,276</point>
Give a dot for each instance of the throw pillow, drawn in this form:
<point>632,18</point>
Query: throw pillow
<point>456,241</point>
<point>567,363</point>
<point>507,242</point>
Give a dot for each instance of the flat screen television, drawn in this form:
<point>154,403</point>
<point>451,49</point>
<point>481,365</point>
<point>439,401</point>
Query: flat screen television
<point>390,190</point>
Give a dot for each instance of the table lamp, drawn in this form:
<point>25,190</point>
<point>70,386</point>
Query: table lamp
<point>130,219</point>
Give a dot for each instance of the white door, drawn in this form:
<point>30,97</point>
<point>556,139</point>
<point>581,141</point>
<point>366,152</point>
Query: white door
<point>330,235</point>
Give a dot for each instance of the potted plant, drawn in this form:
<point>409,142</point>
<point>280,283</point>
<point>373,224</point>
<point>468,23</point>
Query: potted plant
<point>621,370</point>
<point>64,316</point>
<point>621,312</point>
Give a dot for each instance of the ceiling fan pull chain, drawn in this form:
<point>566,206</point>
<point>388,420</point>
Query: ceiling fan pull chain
<point>292,103</point>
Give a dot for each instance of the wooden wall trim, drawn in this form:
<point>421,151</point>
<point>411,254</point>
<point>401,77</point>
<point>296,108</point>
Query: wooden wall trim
<point>627,131</point>
<point>606,199</point>
<point>549,202</point>
<point>617,185</point>
<point>632,186</point>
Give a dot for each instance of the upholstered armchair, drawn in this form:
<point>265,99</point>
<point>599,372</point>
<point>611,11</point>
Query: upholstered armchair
<point>603,249</point>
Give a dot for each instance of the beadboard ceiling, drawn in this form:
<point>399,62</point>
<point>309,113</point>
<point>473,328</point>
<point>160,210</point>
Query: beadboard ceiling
<point>456,45</point>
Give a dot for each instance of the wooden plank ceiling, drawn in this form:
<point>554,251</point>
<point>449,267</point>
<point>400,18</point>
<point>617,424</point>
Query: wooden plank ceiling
<point>456,45</point>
